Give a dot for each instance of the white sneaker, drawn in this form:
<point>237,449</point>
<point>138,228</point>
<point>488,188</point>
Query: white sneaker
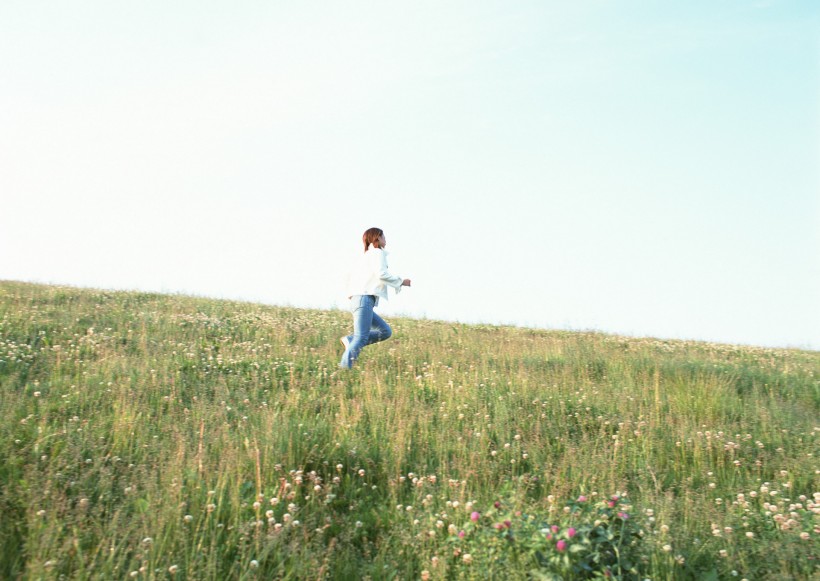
<point>345,342</point>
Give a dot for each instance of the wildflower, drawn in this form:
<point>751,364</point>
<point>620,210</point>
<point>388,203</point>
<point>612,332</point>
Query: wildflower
<point>561,546</point>
<point>475,516</point>
<point>461,534</point>
<point>667,548</point>
<point>497,504</point>
<point>452,529</point>
<point>147,541</point>
<point>582,498</point>
<point>571,532</point>
<point>750,534</point>
<point>361,472</point>
<point>507,524</point>
<point>555,529</point>
<point>254,564</point>
<point>358,524</point>
<point>188,518</point>
<point>211,507</point>
<point>723,553</point>
<point>804,536</point>
<point>467,558</point>
<point>173,569</point>
<point>425,575</point>
<point>274,501</point>
<point>679,559</point>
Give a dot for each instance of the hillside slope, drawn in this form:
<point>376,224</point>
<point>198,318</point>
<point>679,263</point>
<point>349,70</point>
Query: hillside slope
<point>166,436</point>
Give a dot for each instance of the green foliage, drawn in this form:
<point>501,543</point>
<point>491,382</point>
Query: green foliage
<point>151,436</point>
<point>585,540</point>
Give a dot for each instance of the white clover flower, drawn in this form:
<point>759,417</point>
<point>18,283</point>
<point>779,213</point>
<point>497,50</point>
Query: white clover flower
<point>254,564</point>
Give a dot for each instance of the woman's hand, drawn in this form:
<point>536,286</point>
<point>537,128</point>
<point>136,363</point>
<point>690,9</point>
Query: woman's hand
<point>405,282</point>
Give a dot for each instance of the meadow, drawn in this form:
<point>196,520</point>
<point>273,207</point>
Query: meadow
<point>152,436</point>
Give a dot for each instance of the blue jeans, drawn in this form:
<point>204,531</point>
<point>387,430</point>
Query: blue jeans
<point>368,328</point>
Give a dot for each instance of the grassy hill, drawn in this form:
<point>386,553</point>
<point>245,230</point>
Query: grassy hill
<point>149,436</point>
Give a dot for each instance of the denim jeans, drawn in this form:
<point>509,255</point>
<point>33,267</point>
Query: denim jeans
<point>368,328</point>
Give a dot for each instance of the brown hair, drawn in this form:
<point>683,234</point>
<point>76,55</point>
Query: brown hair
<point>371,236</point>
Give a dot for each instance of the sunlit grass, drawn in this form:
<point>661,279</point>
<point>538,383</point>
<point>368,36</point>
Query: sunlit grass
<point>154,436</point>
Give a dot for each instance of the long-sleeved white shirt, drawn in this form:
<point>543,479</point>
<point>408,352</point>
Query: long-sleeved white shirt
<point>369,275</point>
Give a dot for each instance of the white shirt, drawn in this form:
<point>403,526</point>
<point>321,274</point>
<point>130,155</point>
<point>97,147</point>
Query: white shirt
<point>369,275</point>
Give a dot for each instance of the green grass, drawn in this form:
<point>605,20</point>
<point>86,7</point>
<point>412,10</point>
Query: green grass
<point>140,430</point>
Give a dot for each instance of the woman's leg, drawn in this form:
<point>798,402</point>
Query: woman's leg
<point>379,330</point>
<point>362,309</point>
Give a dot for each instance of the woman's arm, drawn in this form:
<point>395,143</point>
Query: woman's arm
<point>384,275</point>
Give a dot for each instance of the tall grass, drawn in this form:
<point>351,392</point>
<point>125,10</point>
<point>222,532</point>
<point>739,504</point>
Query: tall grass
<point>154,436</point>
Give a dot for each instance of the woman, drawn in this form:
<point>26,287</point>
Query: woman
<point>367,284</point>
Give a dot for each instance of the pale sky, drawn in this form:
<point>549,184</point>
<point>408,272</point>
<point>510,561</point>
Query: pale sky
<point>641,168</point>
